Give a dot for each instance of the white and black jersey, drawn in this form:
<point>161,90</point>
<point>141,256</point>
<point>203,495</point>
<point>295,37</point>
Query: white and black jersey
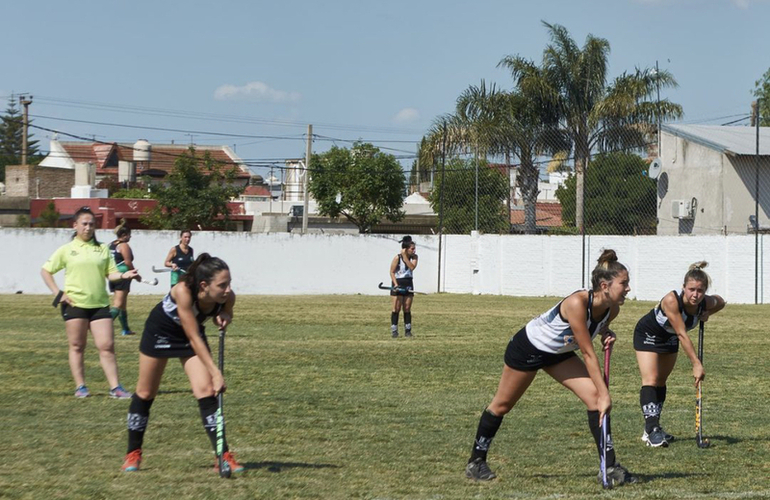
<point>551,333</point>
<point>164,336</point>
<point>402,270</point>
<point>654,332</point>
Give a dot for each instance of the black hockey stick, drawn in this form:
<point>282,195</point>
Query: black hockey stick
<point>605,435</point>
<point>224,466</point>
<point>399,290</point>
<point>699,440</point>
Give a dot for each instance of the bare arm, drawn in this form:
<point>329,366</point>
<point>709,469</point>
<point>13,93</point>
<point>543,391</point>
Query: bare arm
<point>225,316</point>
<point>393,266</point>
<point>184,302</point>
<point>169,259</point>
<point>51,284</point>
<point>714,304</point>
<point>410,261</point>
<point>670,306</point>
<point>125,251</point>
<point>574,310</point>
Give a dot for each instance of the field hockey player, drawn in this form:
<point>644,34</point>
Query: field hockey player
<point>402,278</point>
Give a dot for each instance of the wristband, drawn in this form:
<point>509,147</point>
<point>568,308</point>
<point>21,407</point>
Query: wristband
<point>58,298</point>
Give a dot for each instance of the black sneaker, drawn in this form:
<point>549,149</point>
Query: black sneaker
<point>666,435</point>
<point>655,438</point>
<point>617,475</point>
<point>408,333</point>
<point>478,470</point>
<point>394,334</point>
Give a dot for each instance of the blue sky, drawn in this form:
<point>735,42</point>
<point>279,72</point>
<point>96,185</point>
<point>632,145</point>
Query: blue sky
<point>377,71</point>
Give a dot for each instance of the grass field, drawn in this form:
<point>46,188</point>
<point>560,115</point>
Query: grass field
<point>322,403</point>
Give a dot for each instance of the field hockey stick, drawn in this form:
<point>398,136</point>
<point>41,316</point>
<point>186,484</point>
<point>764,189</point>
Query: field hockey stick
<point>224,466</point>
<point>161,269</point>
<point>699,440</point>
<point>381,286</point>
<point>605,435</point>
<point>151,282</point>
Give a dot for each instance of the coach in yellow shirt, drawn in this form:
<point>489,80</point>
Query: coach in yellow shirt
<point>84,300</point>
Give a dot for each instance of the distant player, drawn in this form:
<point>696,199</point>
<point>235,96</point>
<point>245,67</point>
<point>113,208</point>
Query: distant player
<point>124,260</point>
<point>657,337</point>
<point>180,257</point>
<point>549,342</point>
<point>401,276</point>
<point>175,329</point>
<point>85,302</point>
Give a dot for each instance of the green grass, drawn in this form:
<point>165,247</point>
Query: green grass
<point>322,403</point>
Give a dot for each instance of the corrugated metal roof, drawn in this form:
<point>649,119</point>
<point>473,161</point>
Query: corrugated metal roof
<point>730,140</point>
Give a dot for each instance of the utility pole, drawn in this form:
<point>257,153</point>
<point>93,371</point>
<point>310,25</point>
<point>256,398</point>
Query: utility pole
<point>308,154</point>
<point>755,119</point>
<point>25,102</point>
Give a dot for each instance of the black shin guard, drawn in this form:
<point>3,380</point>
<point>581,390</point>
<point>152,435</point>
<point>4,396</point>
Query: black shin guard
<point>408,321</point>
<point>393,321</point>
<point>651,406</point>
<point>138,415</point>
<point>661,392</point>
<point>208,407</point>
<point>489,423</point>
<point>596,431</point>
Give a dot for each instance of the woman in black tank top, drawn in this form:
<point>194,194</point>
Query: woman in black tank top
<point>180,257</point>
<point>204,292</point>
<point>657,337</point>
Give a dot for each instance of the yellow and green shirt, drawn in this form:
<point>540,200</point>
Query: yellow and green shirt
<point>86,265</point>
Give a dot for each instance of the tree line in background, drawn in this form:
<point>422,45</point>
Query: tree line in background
<point>11,138</point>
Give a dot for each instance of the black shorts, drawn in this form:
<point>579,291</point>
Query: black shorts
<point>158,345</point>
<point>405,283</point>
<point>69,312</point>
<point>523,356</point>
<point>665,343</point>
<point>120,285</point>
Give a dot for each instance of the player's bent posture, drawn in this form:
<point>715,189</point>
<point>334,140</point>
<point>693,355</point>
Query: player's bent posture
<point>402,279</point>
<point>181,257</point>
<point>124,260</point>
<point>548,342</point>
<point>175,329</point>
<point>657,337</point>
<point>85,302</point>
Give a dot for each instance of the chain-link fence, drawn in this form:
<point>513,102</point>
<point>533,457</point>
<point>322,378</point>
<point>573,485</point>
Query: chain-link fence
<point>702,180</point>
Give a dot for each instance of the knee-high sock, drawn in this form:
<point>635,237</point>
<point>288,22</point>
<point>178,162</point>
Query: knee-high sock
<point>138,415</point>
<point>114,312</point>
<point>489,423</point>
<point>208,407</point>
<point>661,392</point>
<point>596,431</point>
<point>408,321</point>
<point>123,317</point>
<point>393,321</point>
<point>651,406</point>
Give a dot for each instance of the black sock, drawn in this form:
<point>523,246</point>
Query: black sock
<point>408,321</point>
<point>394,322</point>
<point>661,392</point>
<point>138,415</point>
<point>489,423</point>
<point>648,399</point>
<point>208,407</point>
<point>596,431</point>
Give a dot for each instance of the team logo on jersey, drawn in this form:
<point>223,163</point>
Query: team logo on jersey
<point>569,339</point>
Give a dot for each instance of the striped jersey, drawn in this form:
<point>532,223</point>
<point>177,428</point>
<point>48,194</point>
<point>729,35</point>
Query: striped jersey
<point>402,270</point>
<point>656,320</point>
<point>550,332</point>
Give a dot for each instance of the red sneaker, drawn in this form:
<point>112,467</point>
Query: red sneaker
<point>132,461</point>
<point>230,459</point>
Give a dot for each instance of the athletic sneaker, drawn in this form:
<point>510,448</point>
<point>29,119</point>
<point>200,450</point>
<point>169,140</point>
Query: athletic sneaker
<point>617,475</point>
<point>82,392</point>
<point>128,332</point>
<point>394,334</point>
<point>230,459</point>
<point>132,461</point>
<point>655,438</point>
<point>666,435</point>
<point>478,470</point>
<point>119,393</point>
<point>408,333</point>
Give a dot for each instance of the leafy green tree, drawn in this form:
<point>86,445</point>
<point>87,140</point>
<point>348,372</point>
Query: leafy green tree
<point>11,131</point>
<point>762,93</point>
<point>459,203</point>
<point>195,194</point>
<point>620,198</point>
<point>594,114</point>
<point>362,184</point>
<point>49,217</point>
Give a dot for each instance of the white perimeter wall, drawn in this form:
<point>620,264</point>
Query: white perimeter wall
<point>284,263</point>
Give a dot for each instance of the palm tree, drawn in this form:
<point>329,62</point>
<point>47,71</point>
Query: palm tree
<point>593,114</point>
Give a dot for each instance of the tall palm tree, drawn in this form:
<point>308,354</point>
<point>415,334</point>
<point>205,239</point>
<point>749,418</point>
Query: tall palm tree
<point>595,115</point>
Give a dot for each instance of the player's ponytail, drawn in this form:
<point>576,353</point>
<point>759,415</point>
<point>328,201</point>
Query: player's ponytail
<point>203,269</point>
<point>607,268</point>
<point>121,229</point>
<point>696,273</point>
